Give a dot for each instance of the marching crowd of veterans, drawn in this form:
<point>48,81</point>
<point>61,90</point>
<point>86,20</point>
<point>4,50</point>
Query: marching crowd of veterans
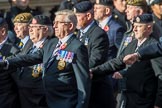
<point>101,54</point>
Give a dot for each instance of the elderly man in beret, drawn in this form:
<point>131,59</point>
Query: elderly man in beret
<point>65,75</point>
<point>97,43</point>
<point>22,31</point>
<point>29,79</point>
<point>134,8</point>
<point>8,89</point>
<point>142,91</point>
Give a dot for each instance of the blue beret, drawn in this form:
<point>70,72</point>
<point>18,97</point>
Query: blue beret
<point>83,7</point>
<point>152,2</point>
<point>2,21</point>
<point>105,2</point>
<point>41,19</point>
<point>144,18</point>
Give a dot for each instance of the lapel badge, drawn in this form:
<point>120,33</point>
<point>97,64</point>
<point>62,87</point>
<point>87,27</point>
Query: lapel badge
<point>61,64</point>
<point>116,16</point>
<point>86,41</point>
<point>20,45</point>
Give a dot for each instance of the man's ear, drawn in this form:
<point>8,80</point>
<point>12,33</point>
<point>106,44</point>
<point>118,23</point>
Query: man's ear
<point>140,11</point>
<point>107,11</point>
<point>4,31</point>
<point>46,29</point>
<point>89,15</point>
<point>71,26</point>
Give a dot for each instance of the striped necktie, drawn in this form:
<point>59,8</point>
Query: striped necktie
<point>57,48</point>
<point>81,35</point>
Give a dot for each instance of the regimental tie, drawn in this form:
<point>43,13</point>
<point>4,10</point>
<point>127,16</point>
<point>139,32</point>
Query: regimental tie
<point>81,35</point>
<point>57,48</point>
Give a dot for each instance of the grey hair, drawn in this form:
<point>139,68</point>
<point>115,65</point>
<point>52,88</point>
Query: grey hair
<point>50,31</point>
<point>70,16</point>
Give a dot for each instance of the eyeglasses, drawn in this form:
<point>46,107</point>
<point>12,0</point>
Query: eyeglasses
<point>38,27</point>
<point>59,22</point>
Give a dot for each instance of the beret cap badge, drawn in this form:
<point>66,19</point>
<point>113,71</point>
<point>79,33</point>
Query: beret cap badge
<point>83,7</point>
<point>34,21</point>
<point>144,18</point>
<point>74,9</point>
<point>138,19</point>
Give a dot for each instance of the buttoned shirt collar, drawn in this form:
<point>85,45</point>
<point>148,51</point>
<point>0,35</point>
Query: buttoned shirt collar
<point>64,40</point>
<point>39,43</point>
<point>87,28</point>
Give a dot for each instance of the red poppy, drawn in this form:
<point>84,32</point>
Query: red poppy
<point>106,28</point>
<point>63,46</point>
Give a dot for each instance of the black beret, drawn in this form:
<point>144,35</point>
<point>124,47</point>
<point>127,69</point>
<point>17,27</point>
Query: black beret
<point>83,7</point>
<point>105,2</point>
<point>66,4</point>
<point>41,19</point>
<point>152,2</point>
<point>2,21</point>
<point>144,18</point>
<point>137,2</point>
<point>69,4</point>
<point>76,1</point>
<point>23,18</point>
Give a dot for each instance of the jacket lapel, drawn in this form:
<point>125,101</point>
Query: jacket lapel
<point>94,25</point>
<point>27,46</point>
<point>90,30</point>
<point>49,54</point>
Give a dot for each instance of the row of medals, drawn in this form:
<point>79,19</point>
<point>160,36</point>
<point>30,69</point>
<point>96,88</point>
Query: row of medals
<point>63,57</point>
